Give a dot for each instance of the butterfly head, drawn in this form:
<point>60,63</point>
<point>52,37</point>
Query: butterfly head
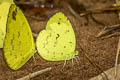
<point>75,53</point>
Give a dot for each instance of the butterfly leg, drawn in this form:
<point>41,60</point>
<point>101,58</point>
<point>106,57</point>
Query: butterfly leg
<point>64,64</point>
<point>78,58</point>
<point>72,62</point>
<point>34,59</point>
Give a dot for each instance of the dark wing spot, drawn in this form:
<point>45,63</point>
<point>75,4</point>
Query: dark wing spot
<point>64,46</point>
<point>50,35</point>
<point>46,42</point>
<point>55,42</point>
<point>54,53</point>
<point>23,58</point>
<point>67,31</point>
<point>16,10</point>
<point>54,45</point>
<point>23,25</point>
<point>28,33</point>
<point>43,45</point>
<point>57,36</point>
<point>47,37</point>
<point>67,19</point>
<point>19,42</point>
<point>61,53</point>
<point>47,50</point>
<point>12,47</point>
<point>14,15</point>
<point>18,34</point>
<point>59,23</point>
<point>10,54</point>
<point>59,18</point>
<point>2,39</point>
<point>70,42</point>
<point>52,58</point>
<point>2,33</point>
<point>12,42</point>
<point>21,54</point>
<point>21,61</point>
<point>15,56</point>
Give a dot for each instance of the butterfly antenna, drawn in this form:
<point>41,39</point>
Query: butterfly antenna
<point>34,57</point>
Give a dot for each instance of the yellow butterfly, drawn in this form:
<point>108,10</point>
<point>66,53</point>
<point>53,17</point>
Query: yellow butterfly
<point>4,9</point>
<point>19,44</point>
<point>57,42</point>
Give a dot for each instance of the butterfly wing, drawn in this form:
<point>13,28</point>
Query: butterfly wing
<point>9,1</point>
<point>58,41</point>
<point>4,9</point>
<point>19,44</point>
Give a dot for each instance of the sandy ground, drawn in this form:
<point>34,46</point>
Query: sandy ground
<point>102,52</point>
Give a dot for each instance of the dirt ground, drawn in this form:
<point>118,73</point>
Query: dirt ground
<point>101,51</point>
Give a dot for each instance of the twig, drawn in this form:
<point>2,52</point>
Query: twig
<point>118,4</point>
<point>68,6</point>
<point>32,75</point>
<point>110,30</point>
<point>35,18</point>
<point>116,8</point>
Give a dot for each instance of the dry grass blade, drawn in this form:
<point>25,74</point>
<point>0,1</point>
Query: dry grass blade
<point>118,50</point>
<point>32,75</point>
<point>116,61</point>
